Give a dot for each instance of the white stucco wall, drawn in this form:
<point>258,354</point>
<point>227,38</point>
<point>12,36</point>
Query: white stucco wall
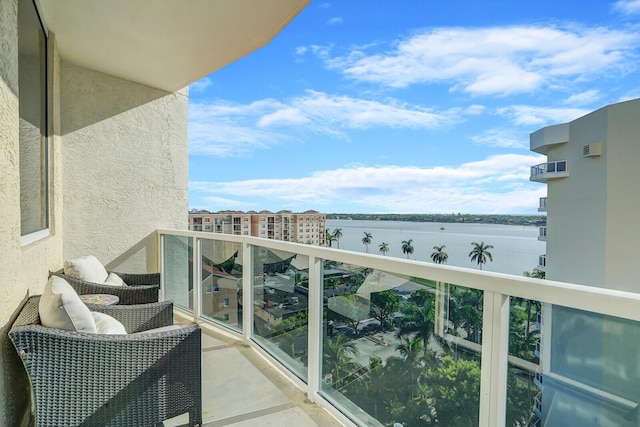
<point>125,166</point>
<point>23,269</point>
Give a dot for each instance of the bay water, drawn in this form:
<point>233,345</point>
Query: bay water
<point>515,248</point>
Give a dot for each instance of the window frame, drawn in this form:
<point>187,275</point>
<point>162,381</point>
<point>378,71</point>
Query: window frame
<point>45,130</point>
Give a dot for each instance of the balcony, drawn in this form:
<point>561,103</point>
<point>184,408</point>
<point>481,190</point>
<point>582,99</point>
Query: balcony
<point>542,236</point>
<point>538,379</point>
<point>316,319</point>
<point>549,136</point>
<point>548,171</point>
<point>543,204</point>
<point>542,259</point>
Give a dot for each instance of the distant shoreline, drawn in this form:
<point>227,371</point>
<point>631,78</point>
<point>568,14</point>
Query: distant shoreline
<point>459,218</point>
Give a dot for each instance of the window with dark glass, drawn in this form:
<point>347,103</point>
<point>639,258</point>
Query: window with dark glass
<point>32,85</point>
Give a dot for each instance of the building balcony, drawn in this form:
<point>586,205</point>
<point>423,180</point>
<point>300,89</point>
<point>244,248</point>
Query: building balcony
<point>549,136</point>
<point>538,379</point>
<point>542,236</point>
<point>542,260</point>
<point>307,302</point>
<point>549,170</point>
<point>543,204</point>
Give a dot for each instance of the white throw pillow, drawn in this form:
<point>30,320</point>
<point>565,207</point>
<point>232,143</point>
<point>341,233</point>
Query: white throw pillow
<point>114,280</point>
<point>106,324</point>
<point>86,268</point>
<point>60,307</point>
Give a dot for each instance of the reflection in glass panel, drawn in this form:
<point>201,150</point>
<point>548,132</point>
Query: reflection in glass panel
<point>280,298</point>
<point>524,377</point>
<point>401,349</point>
<point>32,76</point>
<point>177,271</point>
<point>222,282</point>
<point>593,377</point>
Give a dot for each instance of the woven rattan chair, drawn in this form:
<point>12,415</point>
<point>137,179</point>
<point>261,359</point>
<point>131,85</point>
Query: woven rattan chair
<point>88,379</point>
<point>140,289</point>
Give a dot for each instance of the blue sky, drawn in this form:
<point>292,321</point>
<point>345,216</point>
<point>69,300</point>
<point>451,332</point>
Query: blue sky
<point>406,106</point>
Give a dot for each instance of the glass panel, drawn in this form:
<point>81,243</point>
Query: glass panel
<point>593,376</point>
<point>177,271</point>
<point>562,166</point>
<point>222,282</point>
<point>280,291</point>
<point>551,167</point>
<point>32,76</point>
<point>401,349</point>
<point>524,364</point>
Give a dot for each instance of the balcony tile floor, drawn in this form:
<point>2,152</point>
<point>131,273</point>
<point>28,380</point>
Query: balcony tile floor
<point>240,389</point>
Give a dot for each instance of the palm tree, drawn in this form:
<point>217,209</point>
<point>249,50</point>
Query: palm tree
<point>480,253</point>
<point>417,320</point>
<point>338,360</point>
<point>329,238</point>
<point>366,240</point>
<point>407,247</point>
<point>337,233</point>
<point>383,248</point>
<point>439,256</point>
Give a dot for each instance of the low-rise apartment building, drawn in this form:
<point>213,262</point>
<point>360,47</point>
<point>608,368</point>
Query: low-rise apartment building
<point>304,227</point>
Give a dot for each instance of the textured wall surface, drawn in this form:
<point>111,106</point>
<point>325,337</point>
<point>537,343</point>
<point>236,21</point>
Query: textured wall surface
<point>23,269</point>
<point>124,166</point>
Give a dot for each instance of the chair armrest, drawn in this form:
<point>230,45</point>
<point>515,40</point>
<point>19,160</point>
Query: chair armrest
<point>90,379</point>
<point>139,294</point>
<point>139,317</point>
<point>133,279</point>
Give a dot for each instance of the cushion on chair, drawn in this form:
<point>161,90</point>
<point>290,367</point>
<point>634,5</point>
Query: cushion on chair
<point>114,280</point>
<point>86,268</point>
<point>60,307</point>
<point>107,325</point>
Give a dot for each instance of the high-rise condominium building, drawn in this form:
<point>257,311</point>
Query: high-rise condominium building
<point>304,227</point>
<point>589,362</point>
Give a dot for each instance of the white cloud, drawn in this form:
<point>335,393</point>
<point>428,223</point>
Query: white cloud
<point>583,98</point>
<point>503,138</point>
<point>527,115</point>
<point>200,85</point>
<point>336,20</point>
<point>226,129</point>
<point>628,7</point>
<point>470,187</point>
<point>494,60</point>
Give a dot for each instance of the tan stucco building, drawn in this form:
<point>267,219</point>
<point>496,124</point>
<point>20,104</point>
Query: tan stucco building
<point>304,227</point>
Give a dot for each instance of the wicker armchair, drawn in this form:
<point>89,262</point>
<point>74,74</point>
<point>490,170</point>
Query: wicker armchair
<point>140,289</point>
<point>111,380</point>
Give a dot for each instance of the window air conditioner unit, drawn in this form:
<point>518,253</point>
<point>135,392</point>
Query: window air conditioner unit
<point>592,150</point>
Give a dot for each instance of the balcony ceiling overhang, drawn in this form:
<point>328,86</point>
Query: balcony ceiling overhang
<point>166,44</point>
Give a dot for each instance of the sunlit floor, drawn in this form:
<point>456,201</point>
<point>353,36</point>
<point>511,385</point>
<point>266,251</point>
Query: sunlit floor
<point>239,388</point>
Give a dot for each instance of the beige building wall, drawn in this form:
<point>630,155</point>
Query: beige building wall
<point>23,269</point>
<point>592,213</point>
<point>125,167</point>
<point>117,159</point>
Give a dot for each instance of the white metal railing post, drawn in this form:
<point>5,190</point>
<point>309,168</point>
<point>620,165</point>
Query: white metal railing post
<point>197,278</point>
<point>315,334</point>
<point>495,348</point>
<point>247,292</point>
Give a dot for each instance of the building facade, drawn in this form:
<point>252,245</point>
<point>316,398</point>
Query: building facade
<point>589,365</point>
<point>305,227</point>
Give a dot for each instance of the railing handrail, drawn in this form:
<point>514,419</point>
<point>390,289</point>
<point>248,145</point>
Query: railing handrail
<point>609,302</point>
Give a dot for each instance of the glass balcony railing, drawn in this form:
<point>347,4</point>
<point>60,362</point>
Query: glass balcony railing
<point>379,340</point>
